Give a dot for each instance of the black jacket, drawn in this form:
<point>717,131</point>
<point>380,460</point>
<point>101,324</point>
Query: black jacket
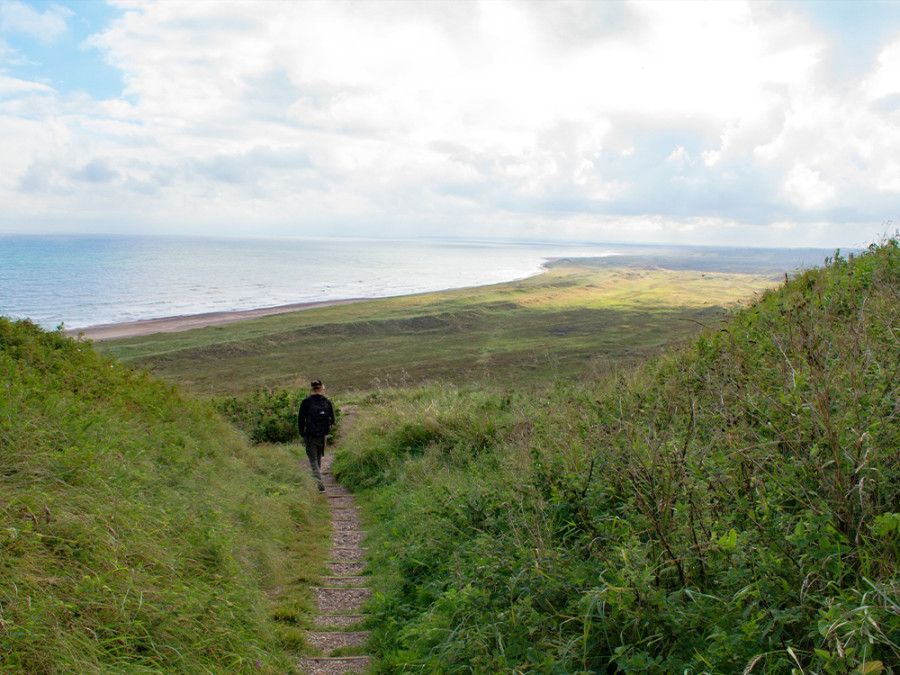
<point>316,416</point>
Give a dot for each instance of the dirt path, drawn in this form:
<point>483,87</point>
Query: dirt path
<point>341,595</point>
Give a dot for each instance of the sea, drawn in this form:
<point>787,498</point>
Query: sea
<point>79,281</point>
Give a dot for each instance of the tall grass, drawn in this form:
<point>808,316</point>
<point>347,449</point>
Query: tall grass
<point>731,507</point>
<point>573,320</point>
<point>140,533</point>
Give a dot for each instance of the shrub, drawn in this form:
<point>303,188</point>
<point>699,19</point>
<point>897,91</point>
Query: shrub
<point>265,415</point>
<point>728,508</point>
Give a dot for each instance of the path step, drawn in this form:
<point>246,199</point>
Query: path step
<point>350,539</point>
<point>338,621</point>
<point>328,641</point>
<point>339,512</point>
<point>341,502</point>
<point>354,554</point>
<point>334,666</point>
<point>346,568</point>
<point>344,582</point>
<point>346,524</point>
<point>338,600</point>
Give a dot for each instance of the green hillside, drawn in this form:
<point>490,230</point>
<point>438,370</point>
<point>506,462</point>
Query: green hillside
<point>730,507</point>
<point>544,498</point>
<point>139,533</point>
<point>579,318</point>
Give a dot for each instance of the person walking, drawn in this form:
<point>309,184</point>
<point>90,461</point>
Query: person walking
<point>315,418</point>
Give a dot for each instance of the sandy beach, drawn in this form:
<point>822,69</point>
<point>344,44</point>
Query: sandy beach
<point>174,324</point>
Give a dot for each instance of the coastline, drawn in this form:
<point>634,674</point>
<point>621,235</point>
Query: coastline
<point>174,324</point>
<point>738,261</point>
<point>182,322</point>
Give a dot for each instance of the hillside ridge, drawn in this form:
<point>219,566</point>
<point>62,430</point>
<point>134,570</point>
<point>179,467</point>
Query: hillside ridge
<point>732,506</point>
<point>140,532</point>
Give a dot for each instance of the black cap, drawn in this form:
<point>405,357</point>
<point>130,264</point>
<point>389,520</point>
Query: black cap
<point>315,384</point>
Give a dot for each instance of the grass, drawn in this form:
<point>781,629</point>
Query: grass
<point>732,506</point>
<point>549,500</point>
<point>141,533</point>
<point>575,320</point>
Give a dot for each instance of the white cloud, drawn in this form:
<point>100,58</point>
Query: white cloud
<point>46,26</point>
<point>422,115</point>
<point>807,187</point>
<point>885,78</point>
<point>11,86</point>
<point>679,157</point>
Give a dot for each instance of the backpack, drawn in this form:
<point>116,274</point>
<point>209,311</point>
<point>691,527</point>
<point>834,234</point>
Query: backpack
<point>318,416</point>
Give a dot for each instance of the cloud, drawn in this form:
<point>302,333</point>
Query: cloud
<point>98,170</point>
<point>494,117</point>
<point>12,87</point>
<point>18,18</point>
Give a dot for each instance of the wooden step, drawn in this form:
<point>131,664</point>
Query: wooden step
<point>346,524</point>
<point>338,621</point>
<point>345,512</point>
<point>340,501</point>
<point>324,665</point>
<point>351,539</point>
<point>347,581</point>
<point>328,641</point>
<point>349,554</point>
<point>338,600</point>
<point>346,568</point>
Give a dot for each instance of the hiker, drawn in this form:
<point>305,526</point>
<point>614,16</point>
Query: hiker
<point>316,417</point>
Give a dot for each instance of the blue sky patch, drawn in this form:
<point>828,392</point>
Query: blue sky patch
<point>47,43</point>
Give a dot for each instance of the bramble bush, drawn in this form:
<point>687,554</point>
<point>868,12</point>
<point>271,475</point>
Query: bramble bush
<point>265,415</point>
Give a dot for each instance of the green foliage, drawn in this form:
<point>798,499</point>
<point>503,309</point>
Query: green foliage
<point>138,531</point>
<point>461,425</point>
<point>728,508</point>
<point>572,321</point>
<point>265,415</point>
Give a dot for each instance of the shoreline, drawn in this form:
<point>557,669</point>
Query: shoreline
<point>182,322</point>
<point>175,324</point>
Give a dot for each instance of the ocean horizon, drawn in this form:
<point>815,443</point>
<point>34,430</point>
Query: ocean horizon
<point>82,281</point>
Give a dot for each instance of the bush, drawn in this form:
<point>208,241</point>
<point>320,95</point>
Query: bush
<point>265,415</point>
<point>729,508</point>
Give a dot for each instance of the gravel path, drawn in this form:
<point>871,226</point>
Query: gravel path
<point>346,569</point>
<point>341,596</point>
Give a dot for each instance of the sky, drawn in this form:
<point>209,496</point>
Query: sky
<point>720,122</point>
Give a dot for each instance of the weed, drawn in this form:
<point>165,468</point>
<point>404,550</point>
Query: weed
<point>140,533</point>
<point>728,507</point>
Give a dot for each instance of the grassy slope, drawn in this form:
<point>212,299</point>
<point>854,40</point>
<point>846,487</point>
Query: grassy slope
<point>576,319</point>
<point>732,507</point>
<point>139,532</point>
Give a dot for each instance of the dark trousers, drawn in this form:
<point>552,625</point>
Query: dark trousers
<point>315,451</point>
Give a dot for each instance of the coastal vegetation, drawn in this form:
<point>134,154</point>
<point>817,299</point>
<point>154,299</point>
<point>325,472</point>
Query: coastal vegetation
<point>732,506</point>
<point>589,471</point>
<point>578,319</point>
<point>139,532</point>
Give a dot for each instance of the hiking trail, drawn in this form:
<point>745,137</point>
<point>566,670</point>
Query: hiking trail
<point>341,595</point>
